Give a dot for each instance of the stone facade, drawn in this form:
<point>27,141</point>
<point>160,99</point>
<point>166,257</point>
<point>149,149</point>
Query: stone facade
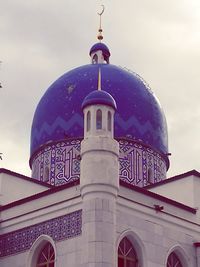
<point>154,234</point>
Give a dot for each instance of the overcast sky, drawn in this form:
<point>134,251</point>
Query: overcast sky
<point>42,39</point>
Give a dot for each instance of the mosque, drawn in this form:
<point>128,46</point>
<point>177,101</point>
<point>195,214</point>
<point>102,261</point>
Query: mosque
<point>98,195</point>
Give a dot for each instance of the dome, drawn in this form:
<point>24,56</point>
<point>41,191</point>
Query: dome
<point>139,115</point>
<point>100,46</point>
<point>99,97</point>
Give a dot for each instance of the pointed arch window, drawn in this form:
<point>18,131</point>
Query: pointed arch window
<point>109,121</point>
<point>88,121</point>
<point>46,174</point>
<point>173,261</point>
<point>127,256</point>
<point>150,176</point>
<point>95,59</point>
<point>46,257</point>
<point>99,119</point>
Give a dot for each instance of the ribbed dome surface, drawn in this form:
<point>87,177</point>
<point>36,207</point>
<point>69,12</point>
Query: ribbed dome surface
<point>138,116</point>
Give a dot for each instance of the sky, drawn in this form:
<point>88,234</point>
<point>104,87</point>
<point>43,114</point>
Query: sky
<point>42,39</point>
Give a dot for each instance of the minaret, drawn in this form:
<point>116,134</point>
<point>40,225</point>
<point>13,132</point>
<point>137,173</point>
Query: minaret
<point>99,179</point>
<point>99,52</point>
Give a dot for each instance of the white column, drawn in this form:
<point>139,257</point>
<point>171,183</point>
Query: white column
<point>99,184</point>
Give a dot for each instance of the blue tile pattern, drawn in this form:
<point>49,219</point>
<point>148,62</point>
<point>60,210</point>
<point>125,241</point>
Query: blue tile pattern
<point>60,228</point>
<point>135,162</point>
<point>61,160</point>
<point>139,114</point>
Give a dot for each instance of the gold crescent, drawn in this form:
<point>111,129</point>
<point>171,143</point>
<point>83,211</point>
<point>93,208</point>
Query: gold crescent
<point>103,8</point>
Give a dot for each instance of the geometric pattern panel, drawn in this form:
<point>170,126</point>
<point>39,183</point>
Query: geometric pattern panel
<point>63,227</point>
<point>140,165</point>
<point>58,164</point>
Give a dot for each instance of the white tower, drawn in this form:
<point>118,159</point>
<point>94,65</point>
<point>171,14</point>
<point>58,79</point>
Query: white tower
<point>99,180</point>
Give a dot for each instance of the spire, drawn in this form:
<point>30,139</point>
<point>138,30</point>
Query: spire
<point>99,52</point>
<point>100,36</point>
<point>99,80</point>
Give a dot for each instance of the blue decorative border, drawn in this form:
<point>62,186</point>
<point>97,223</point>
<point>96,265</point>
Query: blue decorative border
<point>138,164</point>
<point>63,227</point>
<point>60,160</point>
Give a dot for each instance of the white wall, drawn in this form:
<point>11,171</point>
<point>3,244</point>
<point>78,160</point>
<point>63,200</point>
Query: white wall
<point>68,253</point>
<point>17,260</point>
<point>153,240</point>
<point>185,190</point>
<point>156,234</point>
<point>13,188</point>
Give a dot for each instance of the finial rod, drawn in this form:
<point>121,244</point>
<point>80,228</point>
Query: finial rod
<point>99,80</point>
<point>100,36</point>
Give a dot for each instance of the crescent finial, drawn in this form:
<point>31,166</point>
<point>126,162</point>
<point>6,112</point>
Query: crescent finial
<point>100,36</point>
<point>103,8</point>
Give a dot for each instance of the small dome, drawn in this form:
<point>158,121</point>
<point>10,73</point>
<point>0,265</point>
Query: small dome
<point>102,47</point>
<point>99,97</point>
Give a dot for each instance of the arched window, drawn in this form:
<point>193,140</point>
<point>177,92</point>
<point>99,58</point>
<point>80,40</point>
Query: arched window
<point>99,119</point>
<point>88,121</point>
<point>95,59</point>
<point>46,257</point>
<point>150,176</point>
<point>173,261</point>
<point>109,121</point>
<point>46,174</point>
<point>127,256</point>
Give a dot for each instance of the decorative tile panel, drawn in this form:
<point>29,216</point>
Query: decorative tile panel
<point>60,228</point>
<point>60,164</point>
<point>140,165</point>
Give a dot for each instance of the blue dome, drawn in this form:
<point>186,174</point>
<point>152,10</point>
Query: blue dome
<point>100,46</point>
<point>99,97</point>
<point>139,115</point>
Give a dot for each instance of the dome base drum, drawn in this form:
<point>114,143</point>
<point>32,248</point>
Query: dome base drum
<point>59,163</point>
